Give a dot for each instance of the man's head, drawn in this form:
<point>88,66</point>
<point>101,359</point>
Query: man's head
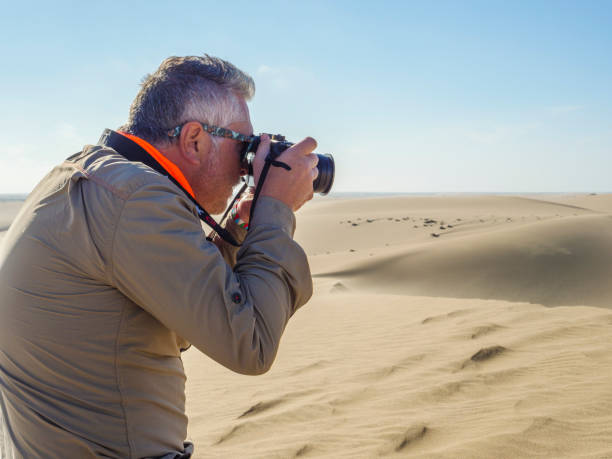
<point>187,91</point>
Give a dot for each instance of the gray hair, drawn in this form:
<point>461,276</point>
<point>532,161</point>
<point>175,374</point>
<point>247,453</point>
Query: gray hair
<point>190,88</point>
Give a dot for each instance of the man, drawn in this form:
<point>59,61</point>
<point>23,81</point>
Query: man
<point>106,275</point>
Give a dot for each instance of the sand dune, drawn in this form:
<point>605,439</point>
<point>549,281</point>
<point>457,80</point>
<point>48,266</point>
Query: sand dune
<point>408,349</point>
<point>566,261</point>
<point>428,336</point>
<point>592,201</point>
<point>375,375</point>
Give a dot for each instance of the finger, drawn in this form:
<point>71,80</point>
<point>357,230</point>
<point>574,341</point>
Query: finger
<point>248,196</point>
<point>305,146</point>
<point>314,172</point>
<point>314,159</point>
<point>245,202</point>
<point>264,144</point>
<point>244,210</point>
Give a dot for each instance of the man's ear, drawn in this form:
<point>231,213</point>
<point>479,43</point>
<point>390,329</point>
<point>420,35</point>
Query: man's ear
<point>194,142</point>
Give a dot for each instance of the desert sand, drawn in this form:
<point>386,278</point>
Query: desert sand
<point>440,327</point>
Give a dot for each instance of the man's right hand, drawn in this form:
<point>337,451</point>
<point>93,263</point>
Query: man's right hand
<point>293,187</point>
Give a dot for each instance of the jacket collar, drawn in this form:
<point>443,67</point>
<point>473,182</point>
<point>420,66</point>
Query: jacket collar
<point>136,149</point>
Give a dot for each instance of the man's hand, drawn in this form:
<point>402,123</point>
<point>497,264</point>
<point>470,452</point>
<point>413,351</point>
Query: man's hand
<point>293,187</point>
<point>243,208</point>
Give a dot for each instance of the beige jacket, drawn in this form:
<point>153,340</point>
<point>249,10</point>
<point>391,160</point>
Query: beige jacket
<point>105,276</point>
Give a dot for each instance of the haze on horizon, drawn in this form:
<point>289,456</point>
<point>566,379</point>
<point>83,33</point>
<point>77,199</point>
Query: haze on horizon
<point>418,97</point>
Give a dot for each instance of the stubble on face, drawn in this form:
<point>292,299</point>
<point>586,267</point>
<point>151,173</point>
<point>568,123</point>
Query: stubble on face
<point>218,175</point>
<point>220,172</point>
<point>217,179</point>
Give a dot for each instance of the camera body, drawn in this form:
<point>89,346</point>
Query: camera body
<point>278,144</point>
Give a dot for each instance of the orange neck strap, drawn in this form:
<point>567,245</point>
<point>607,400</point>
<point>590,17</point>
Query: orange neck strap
<point>168,165</point>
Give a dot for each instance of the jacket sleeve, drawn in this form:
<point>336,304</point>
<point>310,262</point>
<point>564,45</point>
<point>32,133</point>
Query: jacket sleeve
<point>228,251</point>
<point>162,261</point>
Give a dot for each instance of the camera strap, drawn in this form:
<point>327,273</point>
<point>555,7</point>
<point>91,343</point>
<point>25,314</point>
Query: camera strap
<point>269,162</point>
<point>132,150</point>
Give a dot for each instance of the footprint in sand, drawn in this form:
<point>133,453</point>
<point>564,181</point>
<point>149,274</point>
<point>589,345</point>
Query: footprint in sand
<point>484,330</point>
<point>231,434</point>
<point>339,287</point>
<point>406,439</point>
<point>455,313</point>
<point>484,354</point>
<point>260,407</point>
<point>487,353</point>
<point>304,450</point>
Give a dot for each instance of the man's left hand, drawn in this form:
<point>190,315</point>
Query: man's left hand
<point>244,206</point>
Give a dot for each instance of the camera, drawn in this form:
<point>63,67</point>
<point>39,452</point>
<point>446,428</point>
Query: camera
<point>326,166</point>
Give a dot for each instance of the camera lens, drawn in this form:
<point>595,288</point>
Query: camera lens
<point>324,181</point>
<point>326,166</point>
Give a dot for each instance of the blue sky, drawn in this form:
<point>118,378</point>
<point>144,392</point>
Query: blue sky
<point>444,96</point>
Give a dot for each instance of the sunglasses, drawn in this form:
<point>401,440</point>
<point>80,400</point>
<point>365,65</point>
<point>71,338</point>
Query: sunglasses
<point>220,132</point>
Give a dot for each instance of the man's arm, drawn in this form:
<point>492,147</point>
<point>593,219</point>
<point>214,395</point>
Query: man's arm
<point>162,261</point>
<point>228,251</point>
